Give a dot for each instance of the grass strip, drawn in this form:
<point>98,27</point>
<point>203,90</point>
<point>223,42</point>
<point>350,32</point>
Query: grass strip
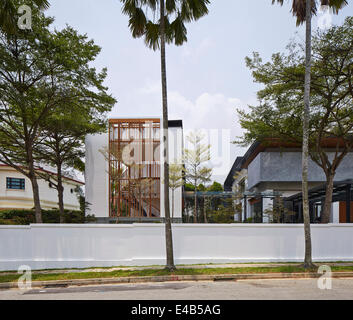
<point>156,272</point>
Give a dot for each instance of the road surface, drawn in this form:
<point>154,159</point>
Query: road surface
<point>306,289</point>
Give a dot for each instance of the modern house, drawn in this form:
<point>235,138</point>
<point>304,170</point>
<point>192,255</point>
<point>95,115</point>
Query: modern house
<point>124,174</point>
<point>16,191</point>
<point>270,175</point>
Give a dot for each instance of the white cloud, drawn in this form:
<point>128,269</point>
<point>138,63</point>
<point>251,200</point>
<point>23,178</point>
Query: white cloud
<point>150,88</point>
<point>199,50</point>
<point>215,115</point>
<point>208,111</point>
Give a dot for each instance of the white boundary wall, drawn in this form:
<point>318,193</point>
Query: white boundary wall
<point>90,245</point>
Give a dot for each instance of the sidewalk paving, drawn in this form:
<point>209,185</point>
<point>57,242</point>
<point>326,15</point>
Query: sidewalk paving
<point>217,272</point>
<point>171,278</point>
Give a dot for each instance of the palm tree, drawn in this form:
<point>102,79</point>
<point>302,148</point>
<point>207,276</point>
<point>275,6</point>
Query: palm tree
<point>303,10</point>
<point>169,28</point>
<point>8,13</point>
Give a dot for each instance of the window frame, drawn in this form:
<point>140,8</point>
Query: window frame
<point>11,185</point>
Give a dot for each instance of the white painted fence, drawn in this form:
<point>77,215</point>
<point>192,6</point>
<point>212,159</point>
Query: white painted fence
<point>90,245</point>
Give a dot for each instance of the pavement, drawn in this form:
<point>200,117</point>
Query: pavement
<point>173,277</point>
<point>272,289</point>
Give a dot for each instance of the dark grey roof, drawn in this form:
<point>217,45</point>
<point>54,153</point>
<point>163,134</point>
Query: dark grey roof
<point>239,161</point>
<point>228,183</point>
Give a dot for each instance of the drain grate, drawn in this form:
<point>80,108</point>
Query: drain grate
<point>56,285</point>
<point>224,279</point>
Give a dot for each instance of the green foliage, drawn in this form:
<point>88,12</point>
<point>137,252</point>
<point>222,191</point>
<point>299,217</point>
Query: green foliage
<point>195,158</point>
<point>25,217</point>
<point>279,213</point>
<point>280,109</point>
<point>51,97</point>
<point>175,176</point>
<point>215,187</point>
<point>223,214</point>
<point>189,187</point>
<point>196,172</point>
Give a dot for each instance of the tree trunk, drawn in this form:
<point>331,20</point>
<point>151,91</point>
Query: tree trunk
<point>204,210</point>
<point>60,194</point>
<point>173,204</point>
<point>195,204</point>
<point>168,227</point>
<point>305,155</point>
<point>36,199</point>
<point>35,188</point>
<point>326,213</point>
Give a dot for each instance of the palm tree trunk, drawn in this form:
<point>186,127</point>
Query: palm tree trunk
<point>305,155</point>
<point>168,227</point>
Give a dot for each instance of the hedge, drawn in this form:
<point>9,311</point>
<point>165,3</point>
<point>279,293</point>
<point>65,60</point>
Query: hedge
<point>25,217</point>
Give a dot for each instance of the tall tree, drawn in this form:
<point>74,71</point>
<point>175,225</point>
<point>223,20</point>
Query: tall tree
<point>169,28</point>
<point>8,13</point>
<point>63,138</point>
<point>195,158</point>
<point>331,94</point>
<point>41,70</point>
<point>303,11</point>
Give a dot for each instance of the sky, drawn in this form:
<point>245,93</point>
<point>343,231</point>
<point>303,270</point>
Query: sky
<point>207,77</point>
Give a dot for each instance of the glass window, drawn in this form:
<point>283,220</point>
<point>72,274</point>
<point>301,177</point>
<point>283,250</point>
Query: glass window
<point>15,183</point>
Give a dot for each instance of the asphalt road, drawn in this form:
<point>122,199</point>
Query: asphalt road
<point>306,289</point>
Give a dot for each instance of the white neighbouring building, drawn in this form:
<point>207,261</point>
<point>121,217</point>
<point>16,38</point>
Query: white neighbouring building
<point>123,173</point>
<point>16,191</point>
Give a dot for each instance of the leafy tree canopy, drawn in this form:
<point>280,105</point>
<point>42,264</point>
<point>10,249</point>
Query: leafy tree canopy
<point>279,113</point>
<point>215,187</point>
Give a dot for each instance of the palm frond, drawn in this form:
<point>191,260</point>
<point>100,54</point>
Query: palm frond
<point>180,11</point>
<point>179,31</point>
<point>137,23</point>
<point>299,7</point>
<point>152,38</point>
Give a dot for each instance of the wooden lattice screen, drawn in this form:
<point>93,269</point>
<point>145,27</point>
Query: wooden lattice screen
<point>134,168</point>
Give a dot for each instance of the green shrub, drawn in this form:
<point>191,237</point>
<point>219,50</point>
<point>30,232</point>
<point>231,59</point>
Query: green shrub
<point>25,217</point>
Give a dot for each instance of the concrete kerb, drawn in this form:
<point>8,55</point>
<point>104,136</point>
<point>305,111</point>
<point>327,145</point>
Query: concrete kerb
<point>169,278</point>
